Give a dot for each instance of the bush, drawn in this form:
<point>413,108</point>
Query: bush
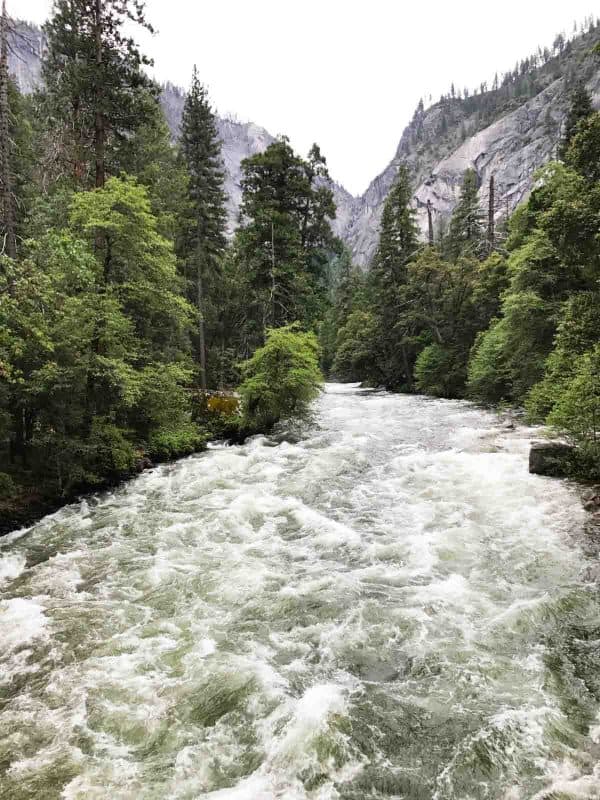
<point>282,378</point>
<point>488,373</point>
<point>355,357</point>
<point>7,486</point>
<point>167,443</point>
<point>440,371</point>
<point>577,411</point>
<point>577,334</point>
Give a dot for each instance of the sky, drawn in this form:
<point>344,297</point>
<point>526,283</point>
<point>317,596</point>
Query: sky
<point>347,74</point>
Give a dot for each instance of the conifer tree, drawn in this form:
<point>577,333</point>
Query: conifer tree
<point>398,243</point>
<point>286,241</point>
<point>7,198</point>
<point>95,84</point>
<point>206,241</point>
<point>398,232</point>
<point>579,109</point>
<point>466,233</point>
<point>491,229</point>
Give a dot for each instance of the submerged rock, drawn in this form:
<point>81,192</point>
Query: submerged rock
<point>552,459</point>
<point>591,502</point>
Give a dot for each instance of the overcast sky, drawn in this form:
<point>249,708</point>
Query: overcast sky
<point>347,74</point>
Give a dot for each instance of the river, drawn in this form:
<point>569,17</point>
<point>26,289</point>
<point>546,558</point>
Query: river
<point>388,606</point>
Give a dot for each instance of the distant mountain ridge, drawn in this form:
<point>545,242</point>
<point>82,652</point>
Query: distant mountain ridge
<point>508,131</point>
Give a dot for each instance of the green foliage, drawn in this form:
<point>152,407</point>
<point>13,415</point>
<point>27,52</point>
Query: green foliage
<point>174,442</point>
<point>583,151</point>
<point>466,236</point>
<point>356,356</point>
<point>579,110</point>
<point>398,243</point>
<point>415,322</point>
<point>281,379</point>
<point>137,264</point>
<point>440,371</point>
<point>577,411</point>
<point>93,341</point>
<point>202,240</point>
<point>285,244</point>
<point>7,486</point>
<point>578,332</point>
<point>96,91</point>
<point>488,373</point>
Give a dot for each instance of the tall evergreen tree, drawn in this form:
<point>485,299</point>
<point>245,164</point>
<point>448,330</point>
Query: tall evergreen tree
<point>398,243</point>
<point>206,241</point>
<point>286,239</point>
<point>95,84</point>
<point>7,197</point>
<point>579,109</point>
<point>466,234</point>
<point>398,232</point>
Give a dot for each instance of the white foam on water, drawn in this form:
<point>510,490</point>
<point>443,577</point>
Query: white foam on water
<point>11,566</point>
<point>22,621</point>
<point>260,622</point>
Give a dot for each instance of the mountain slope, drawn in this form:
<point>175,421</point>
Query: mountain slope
<point>508,131</point>
<point>239,140</point>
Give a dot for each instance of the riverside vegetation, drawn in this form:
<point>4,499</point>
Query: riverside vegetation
<point>503,312</point>
<point>123,303</point>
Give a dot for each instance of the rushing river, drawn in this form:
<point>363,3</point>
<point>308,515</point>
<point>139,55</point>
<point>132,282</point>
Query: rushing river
<point>392,607</point>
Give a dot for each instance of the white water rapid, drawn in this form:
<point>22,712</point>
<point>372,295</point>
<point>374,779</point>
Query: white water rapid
<point>390,607</point>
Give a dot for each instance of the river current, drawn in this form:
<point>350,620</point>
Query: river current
<point>386,605</point>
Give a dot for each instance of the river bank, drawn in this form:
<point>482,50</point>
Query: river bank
<point>31,505</point>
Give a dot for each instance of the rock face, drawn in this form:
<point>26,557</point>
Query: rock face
<point>25,56</point>
<point>438,145</point>
<point>551,459</point>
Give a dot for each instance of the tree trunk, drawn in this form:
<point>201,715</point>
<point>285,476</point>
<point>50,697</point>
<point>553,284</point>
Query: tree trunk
<point>273,285</point>
<point>6,187</point>
<point>99,121</point>
<point>430,223</point>
<point>407,371</point>
<point>201,333</point>
<point>491,212</point>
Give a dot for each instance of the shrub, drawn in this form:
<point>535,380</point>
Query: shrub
<point>440,371</point>
<point>167,443</point>
<point>7,486</point>
<point>281,379</point>
<point>577,334</point>
<point>355,357</point>
<point>488,373</point>
<point>577,411</point>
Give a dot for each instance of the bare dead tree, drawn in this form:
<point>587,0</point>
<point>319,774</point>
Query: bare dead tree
<point>491,232</point>
<point>430,222</point>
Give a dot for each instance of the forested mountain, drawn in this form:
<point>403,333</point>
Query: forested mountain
<point>239,139</point>
<point>508,129</point>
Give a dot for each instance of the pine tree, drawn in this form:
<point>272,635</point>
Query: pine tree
<point>7,197</point>
<point>579,109</point>
<point>398,243</point>
<point>286,240</point>
<point>466,233</point>
<point>95,84</point>
<point>398,231</point>
<point>201,150</point>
